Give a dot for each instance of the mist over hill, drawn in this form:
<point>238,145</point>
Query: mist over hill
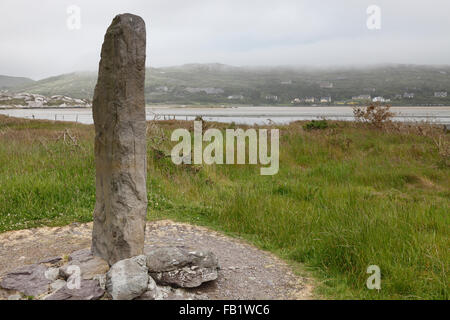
<point>221,84</point>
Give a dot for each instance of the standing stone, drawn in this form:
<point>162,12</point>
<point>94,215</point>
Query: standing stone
<point>120,142</point>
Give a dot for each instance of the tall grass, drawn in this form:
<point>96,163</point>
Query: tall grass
<point>345,197</point>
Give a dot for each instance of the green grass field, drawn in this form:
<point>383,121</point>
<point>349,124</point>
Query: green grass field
<point>346,197</point>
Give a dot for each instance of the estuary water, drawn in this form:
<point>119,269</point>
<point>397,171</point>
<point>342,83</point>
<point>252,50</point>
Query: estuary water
<point>240,114</point>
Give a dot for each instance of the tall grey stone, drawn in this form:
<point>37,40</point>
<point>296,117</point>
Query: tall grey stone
<point>120,142</point>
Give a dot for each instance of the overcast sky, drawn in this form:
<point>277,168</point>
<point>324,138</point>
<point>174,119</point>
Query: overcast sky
<point>36,42</point>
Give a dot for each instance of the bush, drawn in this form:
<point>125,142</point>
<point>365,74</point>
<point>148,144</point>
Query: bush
<point>375,114</point>
<point>316,125</point>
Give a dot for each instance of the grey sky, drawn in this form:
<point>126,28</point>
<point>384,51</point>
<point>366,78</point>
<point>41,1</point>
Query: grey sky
<point>35,41</point>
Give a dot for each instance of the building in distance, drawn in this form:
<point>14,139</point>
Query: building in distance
<point>440,94</point>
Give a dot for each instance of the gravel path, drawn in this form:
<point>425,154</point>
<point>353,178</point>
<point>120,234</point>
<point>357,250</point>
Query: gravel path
<point>246,272</point>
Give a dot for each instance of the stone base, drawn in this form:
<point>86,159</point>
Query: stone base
<point>160,274</point>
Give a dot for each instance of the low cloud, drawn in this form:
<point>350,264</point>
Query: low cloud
<point>37,43</point>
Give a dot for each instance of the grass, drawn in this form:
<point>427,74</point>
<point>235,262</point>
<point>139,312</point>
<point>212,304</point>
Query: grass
<point>346,197</point>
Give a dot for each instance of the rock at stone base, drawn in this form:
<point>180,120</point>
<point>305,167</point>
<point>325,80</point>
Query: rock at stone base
<point>89,290</point>
<point>153,291</point>
<point>186,277</point>
<point>101,278</point>
<point>51,260</point>
<point>90,266</point>
<point>172,258</point>
<point>52,274</point>
<point>81,255</point>
<point>181,267</point>
<point>15,297</point>
<point>128,278</point>
<point>169,293</point>
<point>57,284</point>
<point>30,280</point>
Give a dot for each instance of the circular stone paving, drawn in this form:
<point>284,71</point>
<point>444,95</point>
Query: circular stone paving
<point>245,271</point>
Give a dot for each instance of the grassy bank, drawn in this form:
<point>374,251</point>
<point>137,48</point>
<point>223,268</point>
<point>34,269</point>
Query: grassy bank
<point>345,197</point>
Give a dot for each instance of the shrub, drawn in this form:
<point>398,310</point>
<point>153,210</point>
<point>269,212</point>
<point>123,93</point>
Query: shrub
<point>375,114</point>
<point>316,125</point>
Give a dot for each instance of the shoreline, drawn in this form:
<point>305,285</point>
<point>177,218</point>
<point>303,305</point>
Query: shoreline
<point>249,115</point>
<point>181,106</point>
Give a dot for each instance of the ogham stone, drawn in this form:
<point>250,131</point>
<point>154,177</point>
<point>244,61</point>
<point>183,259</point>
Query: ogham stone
<point>120,142</point>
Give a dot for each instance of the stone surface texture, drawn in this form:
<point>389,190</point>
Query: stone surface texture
<point>90,265</point>
<point>182,267</point>
<point>120,142</point>
<point>30,280</point>
<point>127,279</point>
<point>88,290</point>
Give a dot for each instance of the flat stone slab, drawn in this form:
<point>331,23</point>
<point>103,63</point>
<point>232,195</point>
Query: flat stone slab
<point>30,279</point>
<point>182,267</point>
<point>90,266</point>
<point>246,272</point>
<point>88,290</point>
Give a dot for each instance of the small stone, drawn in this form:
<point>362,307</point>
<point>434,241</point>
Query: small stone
<point>57,284</point>
<point>15,297</point>
<point>127,279</point>
<point>101,278</point>
<point>65,272</point>
<point>153,292</point>
<point>52,274</point>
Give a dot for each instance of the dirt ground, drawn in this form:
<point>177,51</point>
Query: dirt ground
<point>246,272</point>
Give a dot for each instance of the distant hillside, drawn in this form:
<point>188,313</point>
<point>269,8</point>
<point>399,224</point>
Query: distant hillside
<point>218,83</point>
<point>7,82</point>
<point>76,85</point>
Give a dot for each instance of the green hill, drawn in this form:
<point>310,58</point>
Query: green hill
<point>215,83</point>
<point>7,82</point>
<point>76,85</point>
